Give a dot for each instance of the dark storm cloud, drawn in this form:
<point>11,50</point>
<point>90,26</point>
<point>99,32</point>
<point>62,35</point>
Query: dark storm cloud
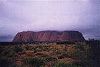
<point>92,32</point>
<point>5,38</point>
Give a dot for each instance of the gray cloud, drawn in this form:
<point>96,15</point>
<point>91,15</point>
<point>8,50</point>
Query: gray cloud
<point>36,15</point>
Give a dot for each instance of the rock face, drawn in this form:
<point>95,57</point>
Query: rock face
<point>49,36</point>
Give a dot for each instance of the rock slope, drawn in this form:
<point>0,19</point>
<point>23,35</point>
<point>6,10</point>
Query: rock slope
<point>49,36</point>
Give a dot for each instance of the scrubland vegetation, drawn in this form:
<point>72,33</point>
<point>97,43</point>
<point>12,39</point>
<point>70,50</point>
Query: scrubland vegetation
<point>46,55</point>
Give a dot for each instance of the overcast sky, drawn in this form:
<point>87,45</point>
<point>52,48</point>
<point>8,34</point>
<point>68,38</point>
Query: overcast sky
<point>37,15</point>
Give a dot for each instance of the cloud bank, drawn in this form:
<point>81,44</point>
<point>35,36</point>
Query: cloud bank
<point>37,15</point>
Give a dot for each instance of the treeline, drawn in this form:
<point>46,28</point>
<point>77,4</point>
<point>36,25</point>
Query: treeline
<point>36,42</point>
<point>90,42</point>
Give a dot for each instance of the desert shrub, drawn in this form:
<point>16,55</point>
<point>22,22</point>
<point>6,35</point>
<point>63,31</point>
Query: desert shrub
<point>72,51</point>
<point>79,50</point>
<point>48,59</point>
<point>5,62</point>
<point>62,64</point>
<point>35,62</point>
<point>11,54</point>
<point>28,47</point>
<point>7,52</point>
<point>18,49</point>
<point>59,52</point>
<point>64,55</point>
<point>1,49</point>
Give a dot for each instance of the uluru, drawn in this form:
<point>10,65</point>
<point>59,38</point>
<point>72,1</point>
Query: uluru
<point>48,36</point>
